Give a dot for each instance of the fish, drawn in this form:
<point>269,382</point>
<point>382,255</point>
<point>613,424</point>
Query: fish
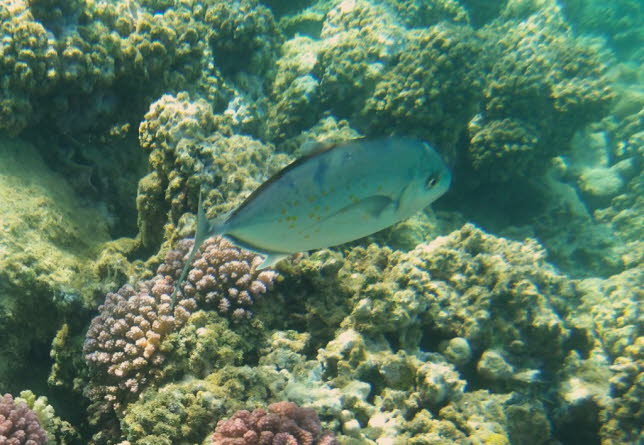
<point>335,194</point>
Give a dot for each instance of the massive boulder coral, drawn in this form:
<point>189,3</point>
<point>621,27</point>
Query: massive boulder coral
<point>18,424</point>
<point>86,65</point>
<point>359,40</point>
<point>414,324</point>
<point>452,285</point>
<point>543,85</point>
<point>100,58</point>
<point>243,35</point>
<point>433,89</point>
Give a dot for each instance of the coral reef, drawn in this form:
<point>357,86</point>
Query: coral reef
<point>543,85</point>
<point>189,150</point>
<point>243,36</point>
<point>621,21</point>
<point>48,239</point>
<point>284,423</point>
<point>414,323</point>
<point>222,276</point>
<point>419,14</point>
<point>610,309</point>
<point>58,431</point>
<point>433,331</point>
<point>85,65</point>
<point>18,424</point>
<point>434,88</point>
<point>123,343</point>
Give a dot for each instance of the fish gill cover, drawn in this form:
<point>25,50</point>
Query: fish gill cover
<point>509,312</point>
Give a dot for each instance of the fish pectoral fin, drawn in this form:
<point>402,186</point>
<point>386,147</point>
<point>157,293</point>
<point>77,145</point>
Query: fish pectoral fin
<point>271,259</point>
<point>373,206</point>
<point>405,199</point>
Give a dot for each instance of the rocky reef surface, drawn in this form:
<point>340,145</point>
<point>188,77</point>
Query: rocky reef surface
<point>508,313</point>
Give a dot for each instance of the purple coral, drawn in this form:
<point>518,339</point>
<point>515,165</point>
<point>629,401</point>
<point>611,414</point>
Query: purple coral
<point>284,424</point>
<point>18,424</point>
<point>222,275</point>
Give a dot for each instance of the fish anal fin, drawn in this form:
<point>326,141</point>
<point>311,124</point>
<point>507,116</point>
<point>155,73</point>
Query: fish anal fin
<point>272,259</point>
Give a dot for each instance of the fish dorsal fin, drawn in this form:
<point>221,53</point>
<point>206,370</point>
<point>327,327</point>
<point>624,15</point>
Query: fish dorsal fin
<point>313,147</point>
<point>201,233</point>
<point>277,176</point>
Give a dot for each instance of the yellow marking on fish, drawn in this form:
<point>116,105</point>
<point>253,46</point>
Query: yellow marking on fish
<point>307,236</point>
<point>283,212</point>
<point>312,198</point>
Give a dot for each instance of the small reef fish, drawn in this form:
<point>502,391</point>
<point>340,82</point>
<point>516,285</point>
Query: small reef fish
<point>335,194</point>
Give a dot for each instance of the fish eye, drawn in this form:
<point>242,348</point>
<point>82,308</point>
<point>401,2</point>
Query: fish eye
<point>431,182</point>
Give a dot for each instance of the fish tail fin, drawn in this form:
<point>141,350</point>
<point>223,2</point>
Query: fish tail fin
<point>201,233</point>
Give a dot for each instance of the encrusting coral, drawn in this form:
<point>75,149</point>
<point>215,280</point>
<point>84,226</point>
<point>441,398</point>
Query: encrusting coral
<point>285,423</point>
<point>18,424</point>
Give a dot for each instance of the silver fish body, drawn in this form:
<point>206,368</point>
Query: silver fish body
<point>335,195</point>
<point>338,195</point>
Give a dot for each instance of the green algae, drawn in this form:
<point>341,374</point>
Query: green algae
<point>48,241</point>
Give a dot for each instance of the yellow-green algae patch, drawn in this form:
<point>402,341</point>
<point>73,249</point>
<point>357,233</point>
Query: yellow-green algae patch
<point>48,242</point>
<point>46,233</point>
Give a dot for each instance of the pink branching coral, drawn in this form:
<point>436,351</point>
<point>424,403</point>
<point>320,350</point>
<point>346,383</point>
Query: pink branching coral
<point>18,424</point>
<point>122,343</point>
<point>222,275</point>
<point>284,424</point>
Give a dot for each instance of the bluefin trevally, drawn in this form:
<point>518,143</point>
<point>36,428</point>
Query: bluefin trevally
<point>336,194</point>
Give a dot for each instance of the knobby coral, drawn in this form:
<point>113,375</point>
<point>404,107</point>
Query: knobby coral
<point>285,423</point>
<point>122,343</point>
<point>18,424</point>
<point>224,276</point>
